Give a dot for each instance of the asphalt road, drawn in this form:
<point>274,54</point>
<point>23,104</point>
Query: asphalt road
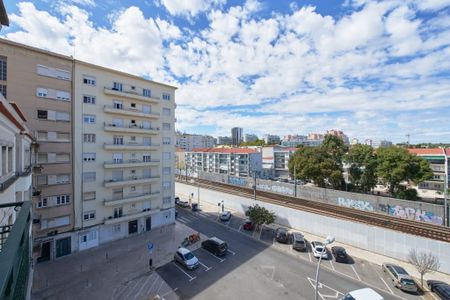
<point>256,268</point>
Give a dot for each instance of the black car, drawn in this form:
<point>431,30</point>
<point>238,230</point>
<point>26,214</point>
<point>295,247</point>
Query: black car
<point>215,246</point>
<point>282,235</point>
<point>339,254</point>
<point>441,289</point>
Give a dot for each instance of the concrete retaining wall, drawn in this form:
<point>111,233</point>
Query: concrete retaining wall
<point>379,240</point>
<point>413,210</point>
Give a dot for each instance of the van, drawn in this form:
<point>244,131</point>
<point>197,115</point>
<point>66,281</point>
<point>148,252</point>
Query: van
<point>362,294</point>
<point>298,241</point>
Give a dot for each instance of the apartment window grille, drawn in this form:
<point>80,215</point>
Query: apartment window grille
<point>89,80</point>
<point>3,90</point>
<point>3,68</point>
<point>89,137</point>
<point>146,93</point>
<point>118,140</point>
<point>89,99</point>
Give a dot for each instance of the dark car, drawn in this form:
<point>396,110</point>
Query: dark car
<point>282,235</point>
<point>339,253</point>
<point>440,288</point>
<point>248,225</point>
<point>215,246</point>
<point>298,241</point>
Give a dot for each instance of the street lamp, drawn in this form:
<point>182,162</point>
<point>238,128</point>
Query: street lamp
<point>329,240</point>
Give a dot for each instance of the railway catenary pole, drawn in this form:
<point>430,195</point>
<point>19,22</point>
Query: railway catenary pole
<point>446,222</point>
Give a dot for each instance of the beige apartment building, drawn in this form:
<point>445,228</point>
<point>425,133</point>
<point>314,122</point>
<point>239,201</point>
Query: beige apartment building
<point>40,82</point>
<point>124,158</point>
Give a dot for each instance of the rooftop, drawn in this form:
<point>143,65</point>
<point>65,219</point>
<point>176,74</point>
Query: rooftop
<point>428,151</point>
<point>226,150</point>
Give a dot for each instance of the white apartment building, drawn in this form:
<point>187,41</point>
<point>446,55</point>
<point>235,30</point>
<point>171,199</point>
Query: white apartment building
<point>230,161</point>
<point>270,139</point>
<point>15,161</point>
<point>275,161</point>
<point>187,142</point>
<point>250,137</point>
<point>124,158</point>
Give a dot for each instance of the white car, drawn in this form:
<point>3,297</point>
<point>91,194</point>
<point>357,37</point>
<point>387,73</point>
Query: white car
<point>186,258</point>
<point>317,248</point>
<point>362,294</point>
<point>225,216</point>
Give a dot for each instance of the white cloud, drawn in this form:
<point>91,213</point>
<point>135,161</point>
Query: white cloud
<point>189,8</point>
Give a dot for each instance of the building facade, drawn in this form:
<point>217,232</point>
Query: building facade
<point>275,161</point>
<point>125,160</point>
<point>270,139</point>
<point>250,138</point>
<point>40,82</point>
<point>236,136</point>
<point>187,142</point>
<point>231,161</point>
<point>224,140</point>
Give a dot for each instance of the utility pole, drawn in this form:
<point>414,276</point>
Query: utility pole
<point>254,185</point>
<point>295,182</point>
<point>185,166</point>
<point>446,221</point>
<point>407,139</point>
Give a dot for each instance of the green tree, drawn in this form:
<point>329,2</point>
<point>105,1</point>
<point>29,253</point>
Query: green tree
<point>396,165</point>
<point>258,142</point>
<point>363,166</point>
<point>335,147</point>
<point>260,215</point>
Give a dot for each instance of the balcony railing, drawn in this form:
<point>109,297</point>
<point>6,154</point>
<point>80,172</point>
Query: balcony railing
<point>130,216</point>
<point>15,253</point>
<point>130,145</point>
<point>130,127</point>
<point>130,180</point>
<point>8,182</point>
<point>130,93</point>
<point>130,198</point>
<point>130,163</point>
<point>129,111</point>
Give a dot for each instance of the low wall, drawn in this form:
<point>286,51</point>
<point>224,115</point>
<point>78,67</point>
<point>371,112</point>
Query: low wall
<point>375,239</point>
<point>413,210</point>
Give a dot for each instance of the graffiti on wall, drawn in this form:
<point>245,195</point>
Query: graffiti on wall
<point>414,214</point>
<point>237,181</point>
<point>275,189</point>
<point>357,204</point>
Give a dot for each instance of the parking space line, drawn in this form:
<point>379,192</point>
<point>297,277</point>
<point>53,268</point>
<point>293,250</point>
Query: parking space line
<point>432,294</point>
<point>309,254</point>
<point>240,226</point>
<point>190,277</point>
<point>151,287</point>
<point>143,285</point>
<point>331,263</point>
<point>381,277</point>
<point>354,270</point>
<point>162,282</point>
<point>169,292</point>
<point>206,267</point>
<point>232,252</point>
<point>220,259</point>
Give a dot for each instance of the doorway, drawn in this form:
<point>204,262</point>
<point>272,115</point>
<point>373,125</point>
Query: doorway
<point>148,224</point>
<point>45,251</point>
<point>63,247</point>
<point>132,227</point>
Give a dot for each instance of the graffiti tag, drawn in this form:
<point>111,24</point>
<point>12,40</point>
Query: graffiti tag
<point>414,214</point>
<point>237,181</point>
<point>357,204</point>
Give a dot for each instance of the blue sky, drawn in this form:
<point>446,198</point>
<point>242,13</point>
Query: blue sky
<point>374,69</point>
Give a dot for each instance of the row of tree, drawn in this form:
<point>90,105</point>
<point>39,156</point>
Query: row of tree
<point>390,166</point>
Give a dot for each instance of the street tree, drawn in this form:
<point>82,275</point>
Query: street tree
<point>260,215</point>
<point>363,166</point>
<point>397,165</point>
<point>258,142</point>
<point>425,262</point>
<point>335,147</point>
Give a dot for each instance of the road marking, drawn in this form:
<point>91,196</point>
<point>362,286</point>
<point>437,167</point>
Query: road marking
<point>331,263</point>
<point>162,281</point>
<point>381,277</point>
<point>220,259</point>
<point>190,277</point>
<point>232,252</point>
<point>432,294</point>
<point>151,287</point>
<point>169,292</point>
<point>206,267</point>
<point>309,254</point>
<point>240,226</point>
<point>354,270</point>
<point>142,286</point>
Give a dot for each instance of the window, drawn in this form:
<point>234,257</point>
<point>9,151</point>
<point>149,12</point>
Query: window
<point>42,203</point>
<point>88,196</point>
<point>41,92</point>
<point>89,80</point>
<point>166,111</point>
<point>133,138</point>
<point>132,189</point>
<point>61,179</point>
<point>118,104</point>
<point>166,140</point>
<point>89,137</point>
<point>3,90</point>
<point>166,170</point>
<point>62,199</point>
<point>146,157</point>
<point>166,96</point>
<point>166,185</point>
<point>146,93</point>
<point>56,222</point>
<point>118,212</point>
<point>89,99</point>
<point>89,157</point>
<point>146,141</point>
<point>118,140</point>
<point>3,68</point>
<point>117,86</point>
<point>89,176</point>
<point>42,114</point>
<point>116,228</point>
<point>133,105</point>
<point>63,95</point>
<point>62,116</point>
<point>166,155</point>
<point>89,215</point>
<point>167,200</point>
<point>117,158</point>
<point>89,119</point>
<point>166,126</point>
<point>53,72</point>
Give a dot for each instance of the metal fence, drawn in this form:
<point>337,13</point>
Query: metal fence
<point>15,253</point>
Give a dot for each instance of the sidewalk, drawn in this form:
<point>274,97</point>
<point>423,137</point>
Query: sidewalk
<point>105,271</point>
<point>372,257</point>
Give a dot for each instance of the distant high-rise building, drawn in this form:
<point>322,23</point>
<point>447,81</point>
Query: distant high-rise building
<point>187,142</point>
<point>368,142</point>
<point>339,133</point>
<point>293,140</point>
<point>250,138</point>
<point>224,140</point>
<point>381,144</point>
<point>270,139</point>
<point>355,141</point>
<point>316,136</point>
<point>236,135</point>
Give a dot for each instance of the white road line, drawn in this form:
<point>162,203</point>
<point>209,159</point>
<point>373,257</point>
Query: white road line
<point>169,292</point>
<point>240,226</point>
<point>190,277</point>
<point>220,259</point>
<point>381,277</point>
<point>206,267</point>
<point>151,287</point>
<point>232,252</point>
<point>309,254</point>
<point>354,270</point>
<point>131,289</point>
<point>432,294</point>
<point>331,263</point>
<point>142,286</point>
<point>162,281</point>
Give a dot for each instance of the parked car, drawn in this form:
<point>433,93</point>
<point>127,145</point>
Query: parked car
<point>339,253</point>
<point>440,288</point>
<point>400,277</point>
<point>317,248</point>
<point>362,294</point>
<point>298,241</point>
<point>282,235</point>
<point>186,258</point>
<point>248,225</point>
<point>181,203</point>
<point>225,216</point>
<point>215,246</point>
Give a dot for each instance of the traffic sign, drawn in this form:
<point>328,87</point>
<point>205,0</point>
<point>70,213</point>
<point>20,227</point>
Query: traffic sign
<point>150,247</point>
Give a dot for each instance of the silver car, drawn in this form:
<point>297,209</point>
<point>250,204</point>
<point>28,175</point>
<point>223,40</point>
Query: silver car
<point>186,258</point>
<point>400,277</point>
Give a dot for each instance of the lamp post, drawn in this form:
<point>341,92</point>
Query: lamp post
<point>295,182</point>
<point>329,240</point>
<point>254,185</point>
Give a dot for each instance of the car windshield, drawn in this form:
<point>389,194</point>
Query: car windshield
<point>188,256</point>
<point>300,242</point>
<point>348,297</point>
<point>407,281</point>
<point>319,248</point>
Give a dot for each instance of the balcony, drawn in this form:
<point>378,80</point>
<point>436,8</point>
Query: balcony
<point>132,198</point>
<point>130,163</point>
<point>131,180</point>
<point>130,112</point>
<point>129,217</point>
<point>131,94</point>
<point>131,146</point>
<point>130,128</point>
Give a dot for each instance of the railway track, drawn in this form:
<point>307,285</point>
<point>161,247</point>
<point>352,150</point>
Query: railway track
<point>395,223</point>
